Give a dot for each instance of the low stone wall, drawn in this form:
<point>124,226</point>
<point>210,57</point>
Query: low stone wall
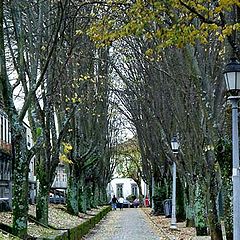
<point>201,238</point>
<point>79,231</point>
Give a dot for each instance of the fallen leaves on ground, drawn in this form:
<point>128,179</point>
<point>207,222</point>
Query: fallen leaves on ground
<point>163,225</point>
<point>4,236</point>
<point>57,217</point>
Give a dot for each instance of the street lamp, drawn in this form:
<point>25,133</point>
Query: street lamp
<point>232,79</point>
<point>175,146</point>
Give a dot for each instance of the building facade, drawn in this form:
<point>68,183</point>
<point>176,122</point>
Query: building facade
<point>5,163</point>
<point>6,167</point>
<point>125,187</point>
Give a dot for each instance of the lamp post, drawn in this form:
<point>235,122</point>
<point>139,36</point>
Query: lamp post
<point>175,146</point>
<point>232,79</point>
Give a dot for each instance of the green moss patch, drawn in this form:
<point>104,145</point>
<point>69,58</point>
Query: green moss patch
<point>69,231</point>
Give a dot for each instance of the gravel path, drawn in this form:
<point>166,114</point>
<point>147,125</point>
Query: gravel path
<point>128,224</point>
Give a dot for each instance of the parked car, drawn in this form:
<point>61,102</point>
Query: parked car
<point>56,199</point>
<point>4,204</point>
<point>126,204</point>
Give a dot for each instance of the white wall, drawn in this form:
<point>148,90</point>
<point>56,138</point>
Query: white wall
<point>127,187</point>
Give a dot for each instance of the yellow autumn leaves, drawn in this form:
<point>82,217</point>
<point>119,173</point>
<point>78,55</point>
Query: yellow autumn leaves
<point>67,147</point>
<point>172,22</point>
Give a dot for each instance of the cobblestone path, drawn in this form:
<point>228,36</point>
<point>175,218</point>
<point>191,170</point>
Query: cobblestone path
<point>129,224</point>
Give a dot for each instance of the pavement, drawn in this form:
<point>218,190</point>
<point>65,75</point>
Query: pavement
<point>128,224</point>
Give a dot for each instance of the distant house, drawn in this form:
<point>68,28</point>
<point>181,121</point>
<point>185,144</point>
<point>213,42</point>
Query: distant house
<point>125,187</point>
<point>60,182</point>
<point>59,185</point>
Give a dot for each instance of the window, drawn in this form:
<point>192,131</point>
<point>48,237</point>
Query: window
<point>1,128</point>
<point>2,191</point>
<point>5,130</point>
<point>64,177</point>
<point>1,170</point>
<point>28,141</point>
<point>31,169</point>
<point>9,132</point>
<point>119,189</point>
<point>134,189</point>
<point>58,177</point>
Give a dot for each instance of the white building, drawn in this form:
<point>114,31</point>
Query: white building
<point>125,187</point>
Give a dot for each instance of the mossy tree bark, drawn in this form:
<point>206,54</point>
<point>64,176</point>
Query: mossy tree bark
<point>188,204</point>
<point>95,195</point>
<point>42,203</point>
<point>212,203</point>
<point>43,190</point>
<point>161,191</point>
<point>200,208</point>
<point>180,210</point>
<point>20,188</point>
<point>102,194</point>
<point>82,199</point>
<point>224,158</point>
<point>72,195</point>
<point>89,195</point>
<point>227,207</point>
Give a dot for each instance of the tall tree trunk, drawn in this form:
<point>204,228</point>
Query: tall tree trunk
<point>95,191</point>
<point>200,209</point>
<point>189,208</point>
<point>102,195</point>
<point>227,207</point>
<point>213,219</point>
<point>181,215</point>
<point>43,193</point>
<point>88,195</point>
<point>140,189</point>
<point>82,198</point>
<point>42,204</point>
<point>73,193</point>
<point>20,188</point>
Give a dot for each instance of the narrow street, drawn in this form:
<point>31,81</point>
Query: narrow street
<point>128,224</point>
